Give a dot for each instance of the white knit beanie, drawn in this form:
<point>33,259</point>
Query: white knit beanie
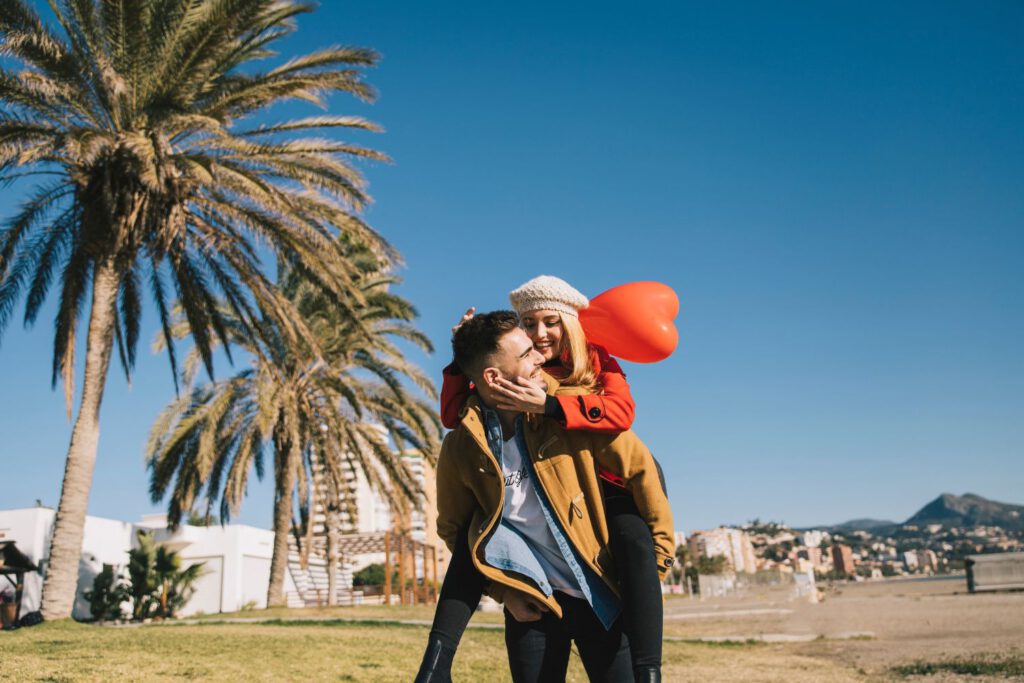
<point>547,292</point>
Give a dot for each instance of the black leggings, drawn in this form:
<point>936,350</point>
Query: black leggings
<point>460,594</point>
<point>538,651</point>
<point>635,562</point>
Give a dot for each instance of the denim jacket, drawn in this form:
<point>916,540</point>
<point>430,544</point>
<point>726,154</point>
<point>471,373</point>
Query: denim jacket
<point>506,549</point>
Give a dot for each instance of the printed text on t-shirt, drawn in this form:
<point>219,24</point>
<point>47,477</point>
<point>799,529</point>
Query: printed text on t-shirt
<point>515,478</point>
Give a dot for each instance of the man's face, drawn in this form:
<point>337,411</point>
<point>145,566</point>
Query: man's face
<point>516,357</point>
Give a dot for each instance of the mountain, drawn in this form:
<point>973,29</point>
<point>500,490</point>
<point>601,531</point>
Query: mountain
<point>861,525</point>
<point>969,510</point>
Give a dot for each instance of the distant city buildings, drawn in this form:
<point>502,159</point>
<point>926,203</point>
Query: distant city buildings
<point>812,539</point>
<point>910,560</point>
<point>842,560</point>
<point>923,561</point>
<point>915,549</point>
<point>732,544</point>
<point>812,554</point>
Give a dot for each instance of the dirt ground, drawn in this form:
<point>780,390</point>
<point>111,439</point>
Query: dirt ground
<point>869,626</point>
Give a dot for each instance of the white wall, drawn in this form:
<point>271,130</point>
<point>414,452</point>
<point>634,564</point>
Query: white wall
<point>256,578</point>
<point>239,555</point>
<point>105,541</point>
<point>30,528</point>
<point>209,593</point>
<point>236,557</point>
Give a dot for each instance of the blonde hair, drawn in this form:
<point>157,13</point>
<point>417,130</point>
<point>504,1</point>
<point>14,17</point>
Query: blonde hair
<point>575,355</point>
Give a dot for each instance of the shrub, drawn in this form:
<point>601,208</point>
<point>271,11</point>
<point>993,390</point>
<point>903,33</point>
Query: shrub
<point>159,586</point>
<point>370,575</point>
<point>109,592</point>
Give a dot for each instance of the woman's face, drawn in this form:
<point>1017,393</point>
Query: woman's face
<point>544,328</point>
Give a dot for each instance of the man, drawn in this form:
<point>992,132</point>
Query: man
<point>527,492</point>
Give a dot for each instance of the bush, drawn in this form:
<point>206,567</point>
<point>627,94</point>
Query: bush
<point>109,592</point>
<point>159,586</point>
<point>712,565</point>
<point>370,575</point>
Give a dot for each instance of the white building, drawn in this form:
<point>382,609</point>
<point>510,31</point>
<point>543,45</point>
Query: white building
<point>910,560</point>
<point>812,538</point>
<point>375,514</point>
<point>235,557</point>
<point>733,544</point>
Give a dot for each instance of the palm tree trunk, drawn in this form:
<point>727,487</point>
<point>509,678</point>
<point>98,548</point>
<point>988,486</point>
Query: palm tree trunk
<point>66,546</point>
<point>282,524</point>
<point>332,557</point>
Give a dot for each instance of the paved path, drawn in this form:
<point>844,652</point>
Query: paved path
<point>718,614</point>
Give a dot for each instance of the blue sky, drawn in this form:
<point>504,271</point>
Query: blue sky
<point>833,189</point>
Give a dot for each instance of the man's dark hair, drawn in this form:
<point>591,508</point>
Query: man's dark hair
<point>478,338</point>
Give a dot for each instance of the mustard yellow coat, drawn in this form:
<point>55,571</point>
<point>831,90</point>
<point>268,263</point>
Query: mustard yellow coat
<point>471,491</point>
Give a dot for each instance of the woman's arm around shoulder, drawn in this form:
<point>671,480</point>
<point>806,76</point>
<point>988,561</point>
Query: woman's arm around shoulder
<point>609,412</point>
<point>455,391</point>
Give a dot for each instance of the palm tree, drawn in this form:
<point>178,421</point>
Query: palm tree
<point>159,586</point>
<point>328,414</point>
<point>130,118</point>
<point>176,585</point>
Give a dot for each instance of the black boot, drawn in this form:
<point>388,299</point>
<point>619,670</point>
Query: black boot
<point>437,663</point>
<point>647,674</point>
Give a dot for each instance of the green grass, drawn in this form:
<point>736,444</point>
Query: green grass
<point>335,651</point>
<point>230,652</point>
<point>978,665</point>
<point>390,612</point>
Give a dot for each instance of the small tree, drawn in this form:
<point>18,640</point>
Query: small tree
<point>175,586</point>
<point>370,575</point>
<point>712,565</point>
<point>142,575</point>
<point>109,592</point>
<point>159,587</point>
<point>196,518</point>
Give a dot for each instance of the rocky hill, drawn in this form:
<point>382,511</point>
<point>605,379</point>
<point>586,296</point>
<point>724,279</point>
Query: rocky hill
<point>966,511</point>
<point>969,510</point>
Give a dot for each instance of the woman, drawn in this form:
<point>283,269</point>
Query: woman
<point>549,308</point>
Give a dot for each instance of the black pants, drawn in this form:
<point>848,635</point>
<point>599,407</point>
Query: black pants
<point>635,563</point>
<point>460,594</point>
<point>538,651</point>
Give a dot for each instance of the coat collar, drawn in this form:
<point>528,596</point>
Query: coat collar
<point>551,382</point>
<point>472,418</point>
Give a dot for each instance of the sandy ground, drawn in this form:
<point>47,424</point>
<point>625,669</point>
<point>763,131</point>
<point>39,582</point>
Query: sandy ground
<point>868,626</point>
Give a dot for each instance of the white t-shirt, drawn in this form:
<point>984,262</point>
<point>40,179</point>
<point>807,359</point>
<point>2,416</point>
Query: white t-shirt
<point>523,513</point>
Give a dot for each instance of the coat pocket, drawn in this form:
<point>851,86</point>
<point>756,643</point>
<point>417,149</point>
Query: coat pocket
<point>576,508</point>
<point>542,451</point>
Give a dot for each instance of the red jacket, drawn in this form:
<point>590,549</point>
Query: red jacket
<point>609,412</point>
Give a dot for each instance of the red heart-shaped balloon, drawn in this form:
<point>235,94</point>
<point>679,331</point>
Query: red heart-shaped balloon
<point>634,321</point>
